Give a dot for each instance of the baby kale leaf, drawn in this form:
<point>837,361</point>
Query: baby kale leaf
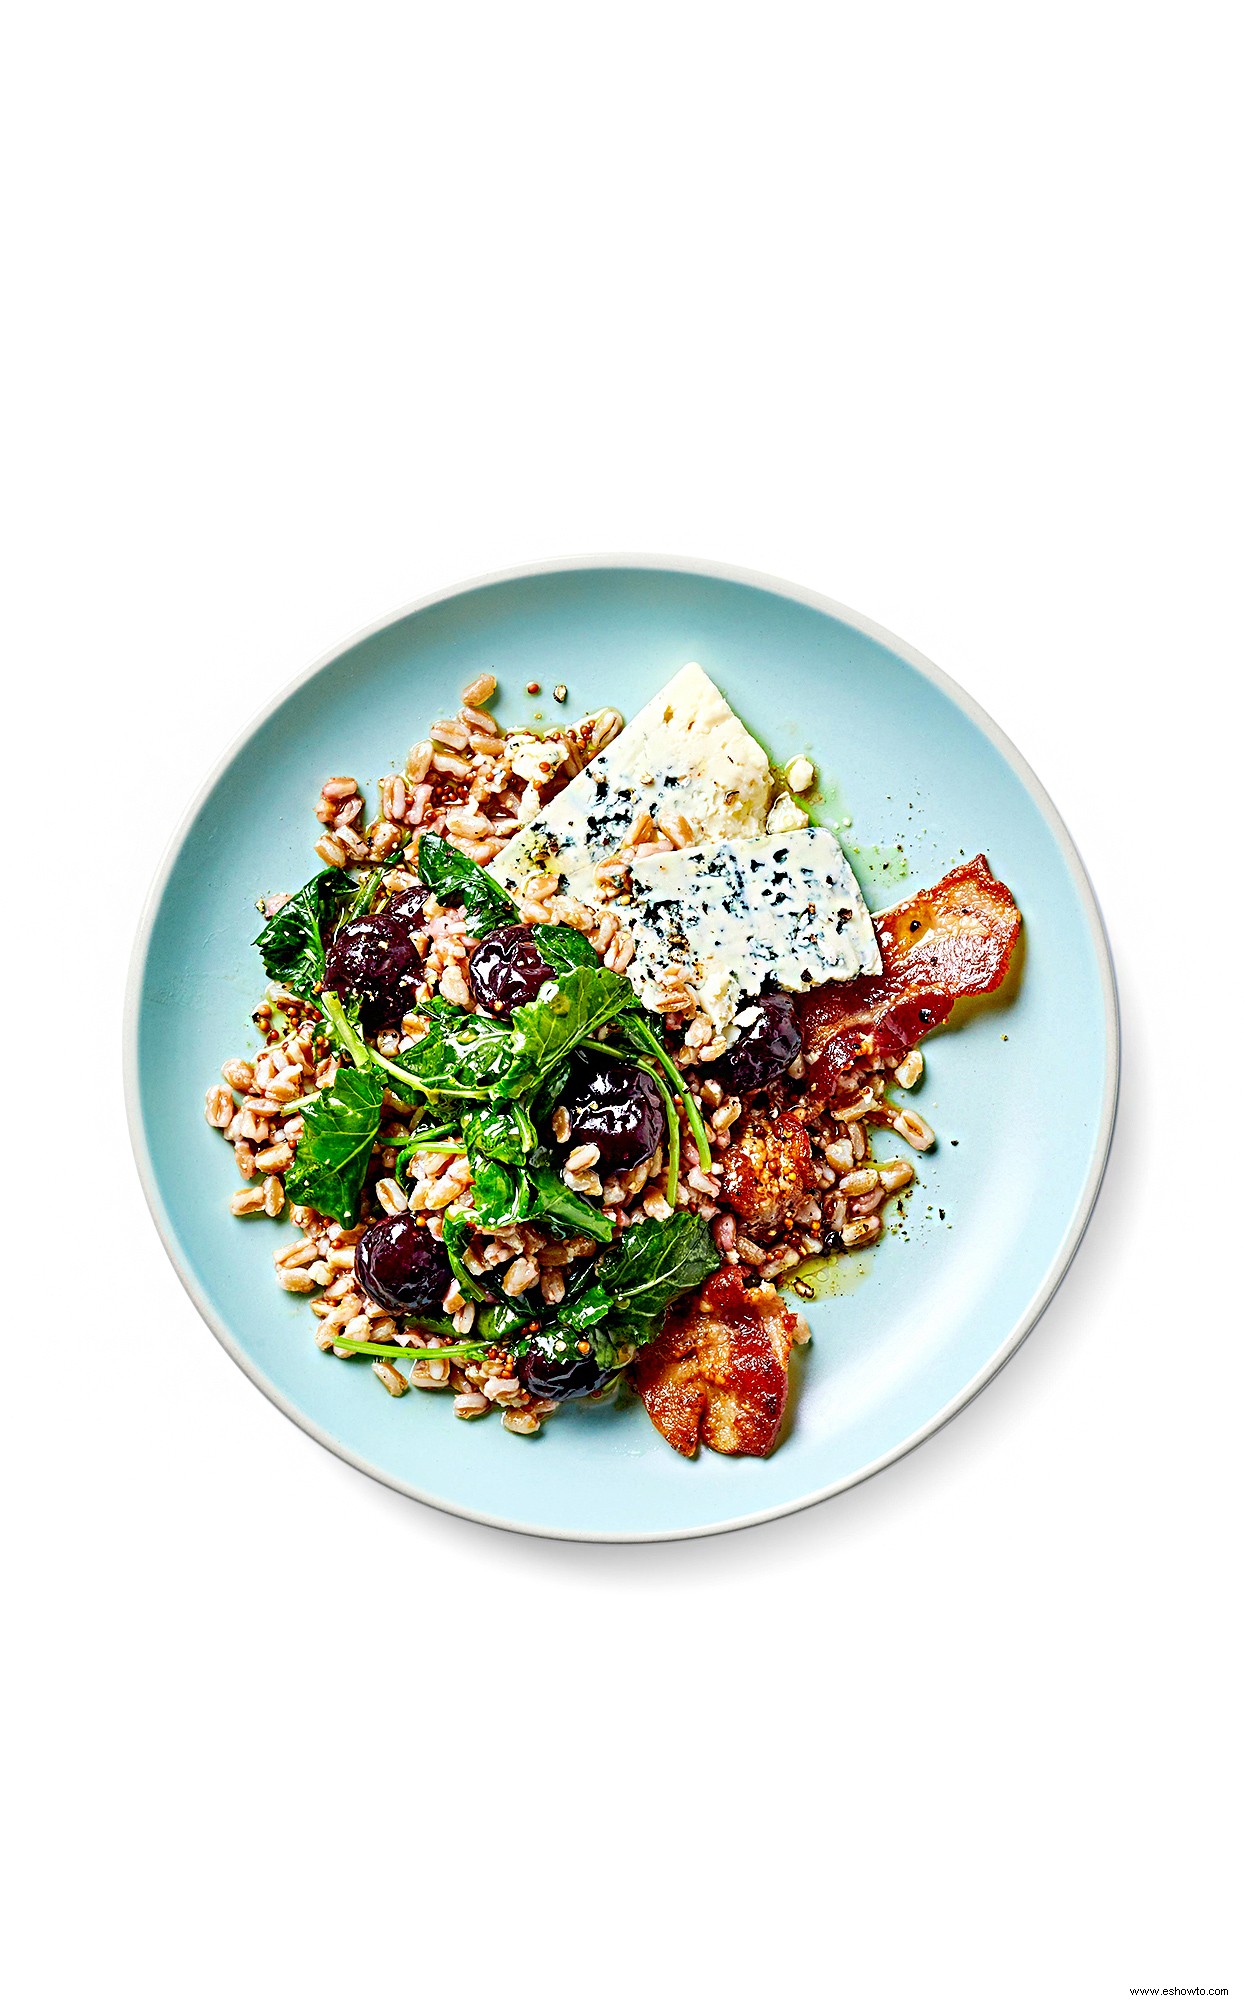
<point>653,1262</point>
<point>454,1234</point>
<point>293,942</point>
<point>565,1212</point>
<point>562,947</point>
<point>498,1131</point>
<point>641,1274</point>
<point>461,1055</point>
<point>568,1011</point>
<point>454,877</point>
<point>501,1195</point>
<point>339,1130</point>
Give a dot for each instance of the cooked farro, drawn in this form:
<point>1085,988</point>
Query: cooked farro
<point>465,791</point>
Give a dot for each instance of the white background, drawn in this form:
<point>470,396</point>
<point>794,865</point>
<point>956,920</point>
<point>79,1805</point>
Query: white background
<point>315,309</point>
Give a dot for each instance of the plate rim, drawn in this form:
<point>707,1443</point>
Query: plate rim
<point>1064,1254</point>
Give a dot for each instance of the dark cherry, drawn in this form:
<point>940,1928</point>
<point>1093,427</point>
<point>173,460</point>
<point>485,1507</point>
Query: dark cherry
<point>614,1106</point>
<point>507,970</point>
<point>400,1265</point>
<point>408,907</point>
<point>377,961</point>
<point>766,1045</point>
<point>554,1368</point>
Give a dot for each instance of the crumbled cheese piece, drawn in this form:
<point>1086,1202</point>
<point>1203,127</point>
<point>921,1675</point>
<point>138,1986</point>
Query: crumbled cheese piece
<point>784,815</point>
<point>799,774</point>
<point>534,758</point>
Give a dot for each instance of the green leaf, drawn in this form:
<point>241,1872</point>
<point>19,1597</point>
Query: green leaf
<point>498,1132</point>
<point>293,942</point>
<point>562,948</point>
<point>548,1095</point>
<point>567,1213</point>
<point>454,1234</point>
<point>339,1130</point>
<point>454,877</point>
<point>506,1319</point>
<point>461,1055</point>
<point>635,1281</point>
<point>501,1195</point>
<point>591,1306</point>
<point>566,1013</point>
<point>652,1262</point>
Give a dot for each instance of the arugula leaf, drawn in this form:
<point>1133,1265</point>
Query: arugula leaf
<point>499,1132</point>
<point>454,877</point>
<point>292,943</point>
<point>454,1233</point>
<point>339,1130</point>
<point>566,1013</point>
<point>562,947</point>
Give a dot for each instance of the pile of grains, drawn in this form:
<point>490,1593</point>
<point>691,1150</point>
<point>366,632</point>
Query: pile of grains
<point>476,785</point>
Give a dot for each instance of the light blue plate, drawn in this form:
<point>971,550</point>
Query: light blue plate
<point>1021,1089</point>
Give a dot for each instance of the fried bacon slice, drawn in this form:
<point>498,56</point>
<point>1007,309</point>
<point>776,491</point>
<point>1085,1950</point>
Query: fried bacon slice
<point>718,1371</point>
<point>936,948</point>
<point>768,1169</point>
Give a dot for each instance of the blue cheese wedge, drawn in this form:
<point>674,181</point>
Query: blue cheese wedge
<point>724,920</point>
<point>685,753</point>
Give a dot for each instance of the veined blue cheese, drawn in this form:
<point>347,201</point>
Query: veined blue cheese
<point>726,919</point>
<point>685,752</point>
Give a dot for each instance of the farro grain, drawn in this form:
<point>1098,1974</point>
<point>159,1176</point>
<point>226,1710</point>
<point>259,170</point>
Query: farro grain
<point>910,1070</point>
<point>520,1276</point>
<point>247,1201</point>
<point>864,1204</point>
<point>918,1133</point>
<point>481,689</point>
<point>396,1384</point>
<point>471,1404</point>
<point>218,1106</point>
<point>391,1196</point>
<point>293,1255</point>
<point>295,1281</point>
<point>855,1235</point>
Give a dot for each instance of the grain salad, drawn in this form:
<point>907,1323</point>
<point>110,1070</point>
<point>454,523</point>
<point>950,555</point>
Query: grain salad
<point>577,1047</point>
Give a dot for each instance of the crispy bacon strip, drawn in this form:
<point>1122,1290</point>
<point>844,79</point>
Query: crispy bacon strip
<point>936,948</point>
<point>718,1371</point>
